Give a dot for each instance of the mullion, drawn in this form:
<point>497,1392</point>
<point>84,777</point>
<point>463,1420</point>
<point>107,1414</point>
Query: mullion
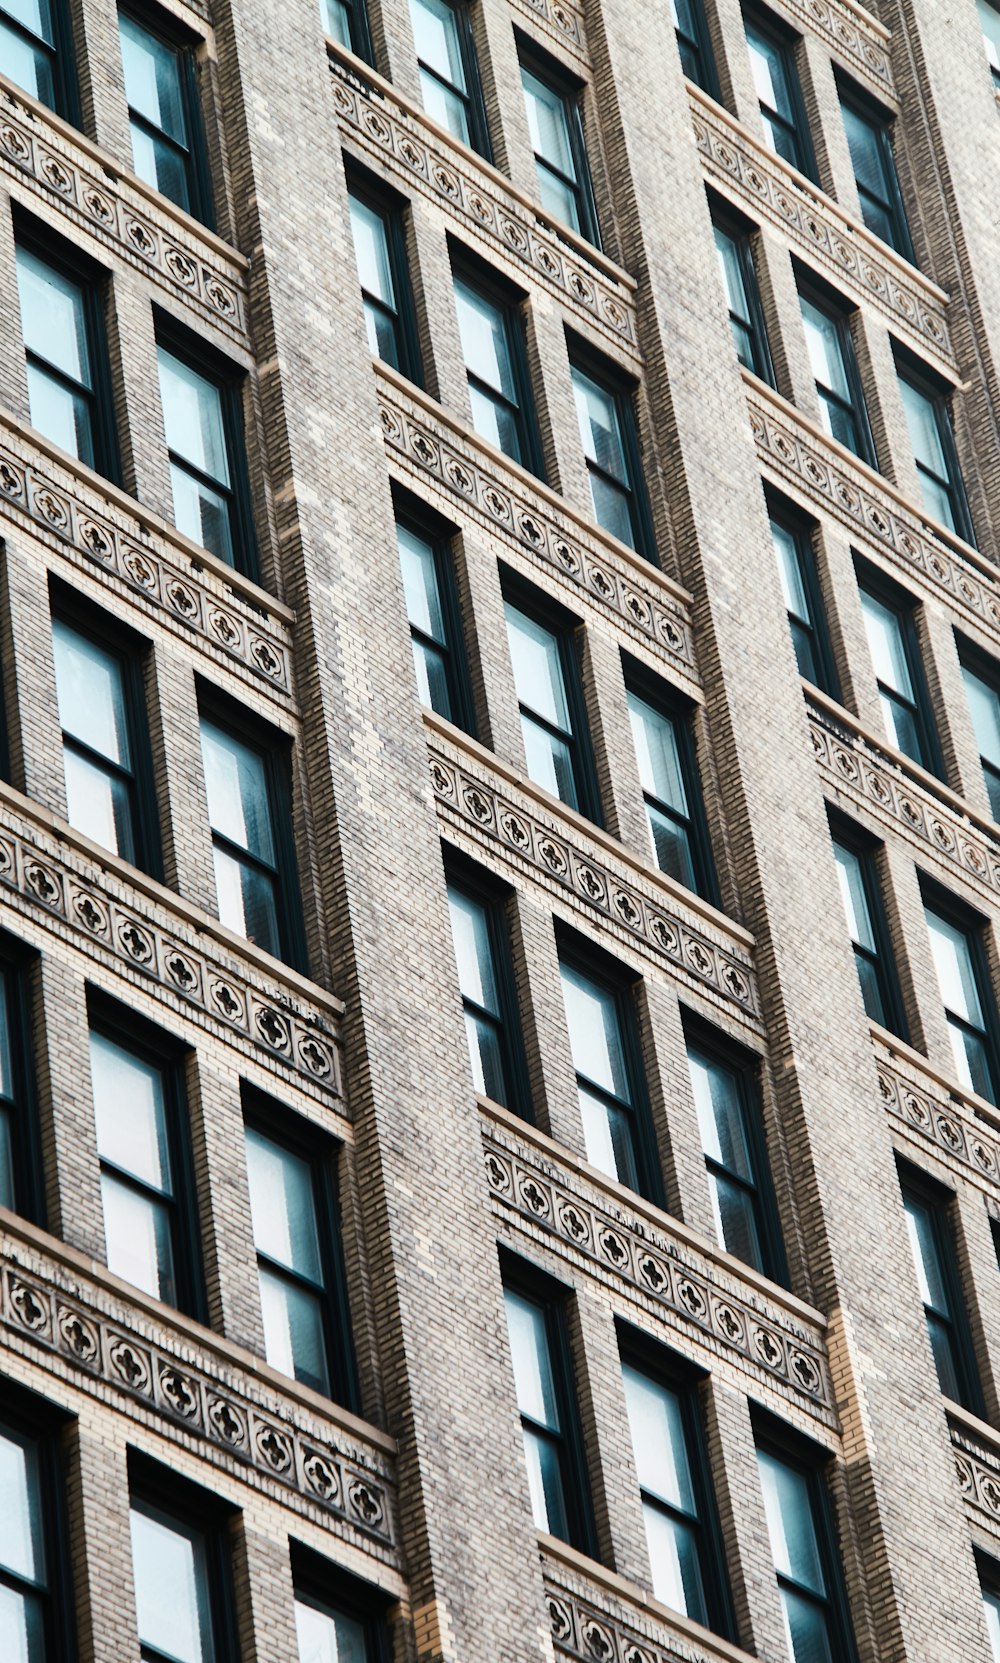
<point>130,1181</point>
<point>161,136</point>
<point>217,485</point>
<point>450,86</point>
<point>57,374</point>
<point>244,855</point>
<point>284,1273</point>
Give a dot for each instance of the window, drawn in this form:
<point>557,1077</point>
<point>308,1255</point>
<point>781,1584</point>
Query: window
<point>560,152</point>
<point>346,21</point>
<point>929,1233</point>
<point>694,45</point>
<point>892,641</point>
<point>738,1177</point>
<point>869,141</point>
<point>681,1529</point>
<point>381,256</point>
<point>803,601</point>
<point>107,785</point>
<point>181,1572</point>
<point>35,1602</point>
<point>989,23</point>
<point>739,280</point>
<point>611,452</point>
<point>540,1355</point>
<point>486,983</point>
<point>843,412</point>
<point>334,1619</point>
<point>802,1549</point>
<point>776,82</point>
<point>866,925</point>
<point>984,704</point>
<point>19,1168</point>
<point>148,1226</point>
<point>960,963</point>
<point>163,116</point>
<point>33,52</point>
<point>435,629</point>
<point>670,791</point>
<point>603,1043</point>
<point>989,1576</point>
<point>553,724</point>
<point>202,422</point>
<point>492,338</point>
<point>64,350</point>
<point>449,73</point>
<point>928,421</point>
<point>297,1263</point>
<point>248,797</point>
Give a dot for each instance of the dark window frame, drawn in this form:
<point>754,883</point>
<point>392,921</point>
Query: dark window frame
<point>322,1153</point>
<point>804,532</point>
<point>167,28</point>
<point>494,896</point>
<point>276,748</point>
<point>18,962</point>
<point>681,714</point>
<point>988,1572</point>
<point>973,924</point>
<point>905,605</point>
<point>839,310</point>
<point>162,1490</point>
<point>391,209</point>
<point>851,95</point>
<point>26,1414</point>
<point>940,1203</point>
<point>511,303</point>
<point>440,534</point>
<point>788,43</point>
<point>695,47</point>
<point>979,663</point>
<point>742,232</point>
<point>570,90</point>
<point>65,87</point>
<point>624,391</point>
<point>359,30</point>
<point>867,848</point>
<point>319,1582</point>
<point>938,394</point>
<point>159,1048</point>
<point>524,1277</point>
<point>472,96</point>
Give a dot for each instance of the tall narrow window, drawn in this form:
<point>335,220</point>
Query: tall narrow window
<point>930,1238</point>
<point>99,761</point>
<point>292,1234</point>
<point>35,1621</point>
<point>989,23</point>
<point>163,115</point>
<point>870,143</point>
<point>694,45</point>
<point>493,347</point>
<point>31,51</point>
<point>179,1568</point>
<point>611,452</point>
<point>548,694</point>
<point>346,21</point>
<point>599,1021</point>
<point>670,793</point>
<point>983,694</point>
<point>434,625</point>
<point>895,656</point>
<point>838,386</point>
<point>251,877</point>
<point>867,929</point>
<point>967,998</point>
<point>147,1233</point>
<point>991,1611</point>
<point>739,280</point>
<point>803,602</point>
<point>560,152</point>
<point>330,1627</point>
<point>545,1405</point>
<point>928,421</point>
<point>449,73</point>
<point>201,422</point>
<point>485,983</point>
<point>776,81</point>
<point>64,350</point>
<point>803,1556</point>
<point>18,1165</point>
<point>381,257</point>
<point>737,1170</point>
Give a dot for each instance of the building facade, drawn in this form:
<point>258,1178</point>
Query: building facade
<point>499,868</point>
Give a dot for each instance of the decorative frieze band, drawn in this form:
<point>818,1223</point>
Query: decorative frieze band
<point>791,452</point>
<point>507,824</point>
<point>561,19</point>
<point>112,922</point>
<point>854,34</point>
<point>848,253</point>
<point>939,1117</point>
<point>100,204</point>
<point>401,140</point>
<point>666,1273</point>
<point>978,1471</point>
<point>582,1629</point>
<point>77,518</point>
<point>432,448</point>
<point>266,1437</point>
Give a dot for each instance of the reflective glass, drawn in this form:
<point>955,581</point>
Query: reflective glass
<point>61,413</point>
<point>171,1588</point>
<point>790,571</point>
<point>826,352</point>
<point>989,23</point>
<point>595,1033</point>
<point>53,317</point>
<point>6,1161</point>
<point>549,761</point>
<point>327,1636</point>
<point>529,1344</point>
<point>984,705</point>
<point>600,431</point>
<point>152,79</point>
<point>473,952</point>
<point>887,644</point>
<point>21,1549</point>
<point>608,1138</point>
<point>545,1486</point>
<point>926,1258</point>
<point>770,73</point>
<point>420,584</point>
<point>160,164</point>
<point>22,1625</point>
<point>790,1524</point>
<point>247,901</point>
<point>371,248</point>
<point>33,15</point>
<point>435,33</point>
<point>866,151</point>
<point>138,1238</point>
<point>991,1612</point>
<point>735,1217</point>
<point>807,1629</point>
<point>734,283</point>
<point>98,803</point>
<point>657,1428</point>
<point>192,416</point>
<point>294,1341</point>
<point>483,330</point>
<point>495,421</point>
<point>657,754</point>
<point>337,22</point>
<point>852,893</point>
<point>538,672</point>
<point>30,67</point>
<point>720,1114</point>
<point>283,1206</point>
<point>91,693</point>
<point>955,970</point>
<point>612,508</point>
<point>923,420</point>
<point>672,847</point>
<point>547,122</point>
<point>445,106</point>
<point>130,1110</point>
<point>673,1558</point>
<point>202,513</point>
<point>238,800</point>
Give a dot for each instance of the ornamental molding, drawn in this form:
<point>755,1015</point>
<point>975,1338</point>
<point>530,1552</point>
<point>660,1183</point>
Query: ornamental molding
<point>977,1467</point>
<point>192,600</point>
<point>399,137</point>
<point>562,20</point>
<point>39,151</point>
<point>841,246</point>
<point>433,450</point>
<point>856,769</point>
<point>54,1315</point>
<point>115,923</point>
<point>798,456</point>
<point>941,1118</point>
<point>501,819</point>
<point>610,1630</point>
<point>854,34</point>
<point>668,1275</point>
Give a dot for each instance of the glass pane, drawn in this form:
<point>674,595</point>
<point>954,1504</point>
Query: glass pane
<point>984,706</point>
<point>171,1588</point>
<point>538,671</point>
<point>283,1206</point>
<point>732,273</point>
<point>371,248</point>
<point>98,803</point>
<point>612,508</point>
<point>293,1331</point>
<point>53,317</point>
<point>989,23</point>
<point>991,1612</point>
<point>887,644</point>
<point>138,1239</point>
<point>495,421</point>
<point>449,109</point>
<point>192,417</point>
<point>558,198</point>
<point>735,1213</point>
<point>327,1636</point>
<point>770,73</point>
<point>545,1486</point>
<point>807,1628</point>
<point>485,1057</point>
<point>7,1198</point>
<point>337,22</point>
<point>955,970</point>
<point>529,1345</point>
<point>720,1114</point>
<point>943,1351</point>
<point>608,1138</point>
<point>21,1549</point>
<point>871,989</point>
<point>152,79</point>
<point>29,67</point>
<point>91,693</point>
<point>600,430</point>
<point>656,751</point>
<point>852,893</point>
<point>825,342</point>
<point>793,586</point>
<point>483,329</point>
<point>549,762</point>
<point>238,799</point>
<point>22,1624</point>
<point>926,1256</point>
<point>548,123</point>
<point>867,154</point>
<point>380,327</point>
<point>432,679</point>
<point>672,847</point>
<point>35,15</point>
<point>972,1065</point>
<point>658,1441</point>
<point>473,951</point>
<point>202,513</point>
<point>790,1524</point>
<point>922,421</point>
<point>130,1110</point>
<point>163,167</point>
<point>64,416</point>
<point>420,584</point>
<point>595,1033</point>
<point>247,902</point>
<point>673,1558</point>
<point>435,34</point>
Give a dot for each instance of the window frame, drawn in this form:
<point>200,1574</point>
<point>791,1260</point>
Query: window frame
<point>904,605</point>
<point>994,68</point>
<point>26,1416</point>
<point>358,29</point>
<point>875,115</point>
<point>803,533</point>
<point>159,1489</point>
<point>866,848</point>
<point>839,311</point>
<point>488,892</point>
<point>391,209</point>
<point>155,1046</point>
<point>440,535</point>
<point>741,233</point>
<point>65,86</point>
<point>479,139</point>
<point>940,1203</point>
<point>623,392</point>
<point>938,394</point>
<point>319,1582</point>
<point>972,924</point>
<point>788,43</point>
<point>681,713</point>
<point>510,304</point>
<point>570,91</point>
<point>164,26</point>
<point>988,1572</point>
<point>549,615</point>
<point>17,966</point>
<point>978,663</point>
<point>699,49</point>
<point>322,1153</point>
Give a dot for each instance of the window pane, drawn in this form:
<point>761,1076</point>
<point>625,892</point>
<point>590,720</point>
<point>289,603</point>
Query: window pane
<point>432,679</point>
<point>612,508</point>
<point>657,1428</point>
<point>545,1484</point>
<point>672,847</point>
<point>529,1344</point>
<point>866,151</point>
<point>238,798</point>
<point>595,1033</point>
<point>294,1341</point>
<point>609,1138</point>
<point>247,901</point>
<point>171,1588</point>
<point>283,1206</point>
<point>91,693</point>
<point>734,282</point>
<point>192,417</point>
<point>926,1257</point>
<point>989,23</point>
<point>788,1507</point>
<point>435,34</point>
<point>548,123</point>
<point>130,1109</point>
<point>852,893</point>
<point>770,73</point>
<point>538,672</point>
<point>371,248</point>
<point>53,317</point>
<point>137,1236</point>
<point>956,974</point>
<point>485,1057</point>
<point>984,705</point>
<point>720,1114</point>
<point>657,754</point>
<point>922,421</point>
<point>473,951</point>
<point>7,1198</point>
<point>673,1557</point>
<point>22,1625</point>
<point>98,804</point>
<point>202,513</point>
<point>558,198</point>
<point>991,1611</point>
<point>549,762</point>
<point>61,414</point>
<point>21,1550</point>
<point>790,571</point>
<point>495,421</point>
<point>483,330</point>
<point>160,165</point>
<point>29,67</point>
<point>152,79</point>
<point>887,645</point>
<point>600,431</point>
<point>327,1636</point>
<point>446,107</point>
<point>807,1629</point>
<point>826,352</point>
<point>420,584</point>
